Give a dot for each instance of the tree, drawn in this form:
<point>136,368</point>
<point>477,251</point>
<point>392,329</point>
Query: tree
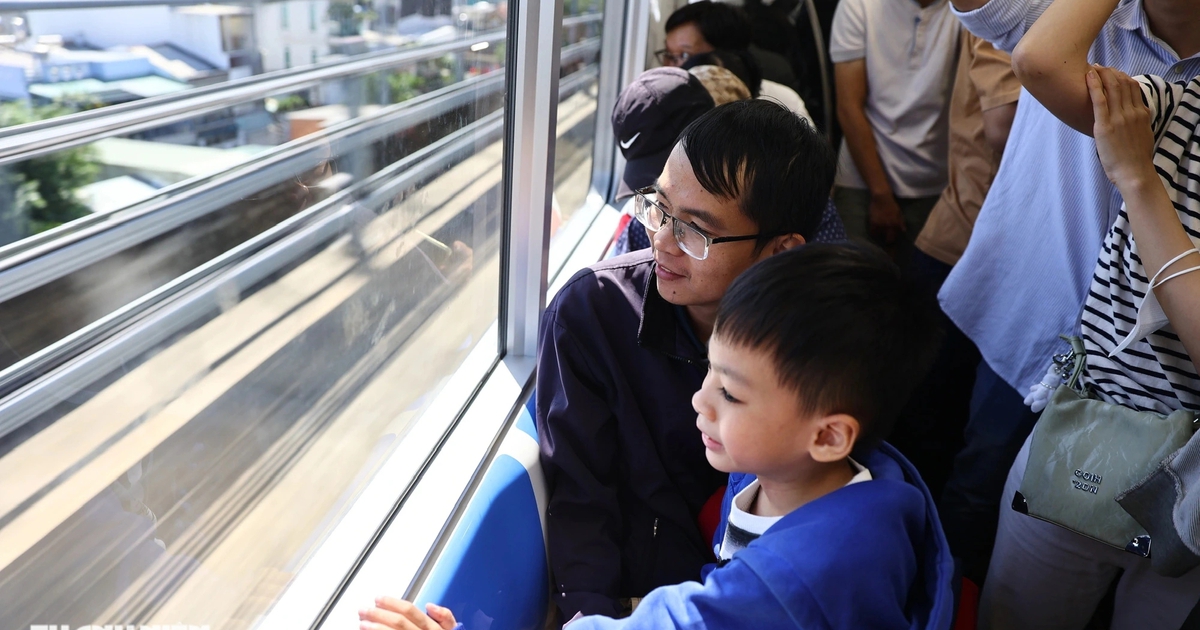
<point>39,193</point>
<point>405,85</point>
<point>350,15</point>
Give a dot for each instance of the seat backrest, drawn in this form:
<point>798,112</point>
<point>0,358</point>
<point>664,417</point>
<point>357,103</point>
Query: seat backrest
<point>492,572</point>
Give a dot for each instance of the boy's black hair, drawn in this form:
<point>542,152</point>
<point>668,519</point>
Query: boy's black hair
<point>740,62</point>
<point>722,25</point>
<point>846,331</point>
<point>777,167</point>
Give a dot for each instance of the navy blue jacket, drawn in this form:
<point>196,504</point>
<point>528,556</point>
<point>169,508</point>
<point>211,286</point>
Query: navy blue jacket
<point>869,556</point>
<point>627,475</point>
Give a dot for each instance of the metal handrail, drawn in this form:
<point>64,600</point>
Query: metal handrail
<point>34,267</point>
<point>31,267</point>
<point>22,142</point>
<point>574,20</point>
<point>66,366</point>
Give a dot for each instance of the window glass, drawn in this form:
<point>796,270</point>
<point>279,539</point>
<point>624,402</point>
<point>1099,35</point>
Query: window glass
<point>61,196</point>
<point>276,291</point>
<point>577,116</point>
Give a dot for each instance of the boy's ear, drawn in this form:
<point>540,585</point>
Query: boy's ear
<point>781,244</point>
<point>834,438</point>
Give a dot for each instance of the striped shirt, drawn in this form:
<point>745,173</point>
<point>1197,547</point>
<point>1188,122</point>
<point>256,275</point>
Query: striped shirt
<point>1027,269</point>
<point>1154,373</point>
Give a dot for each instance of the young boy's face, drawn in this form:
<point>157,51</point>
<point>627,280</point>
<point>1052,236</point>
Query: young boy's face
<point>749,422</point>
<point>683,280</point>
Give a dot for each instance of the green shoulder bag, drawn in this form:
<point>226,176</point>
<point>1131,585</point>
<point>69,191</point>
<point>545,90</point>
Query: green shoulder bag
<point>1085,453</point>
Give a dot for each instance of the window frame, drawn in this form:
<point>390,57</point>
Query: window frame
<point>393,531</point>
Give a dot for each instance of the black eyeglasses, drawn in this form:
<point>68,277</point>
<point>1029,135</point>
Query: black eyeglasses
<point>668,58</point>
<point>690,238</point>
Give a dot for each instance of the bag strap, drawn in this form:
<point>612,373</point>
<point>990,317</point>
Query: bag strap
<point>1069,365</point>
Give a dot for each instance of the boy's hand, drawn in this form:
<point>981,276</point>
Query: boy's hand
<point>1124,140</point>
<point>396,614</point>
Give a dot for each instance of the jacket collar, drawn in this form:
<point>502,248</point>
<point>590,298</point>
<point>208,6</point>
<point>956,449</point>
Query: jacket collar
<point>666,330</point>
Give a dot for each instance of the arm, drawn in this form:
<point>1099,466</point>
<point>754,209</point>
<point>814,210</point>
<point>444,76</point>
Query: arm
<point>1125,144</point>
<point>851,80</point>
<point>1052,59</point>
<point>997,122</point>
<point>991,74</point>
<point>578,441</point>
<point>733,596</point>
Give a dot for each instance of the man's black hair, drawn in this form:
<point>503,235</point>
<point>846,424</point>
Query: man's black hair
<point>772,162</point>
<point>740,62</point>
<point>722,25</point>
<point>846,331</point>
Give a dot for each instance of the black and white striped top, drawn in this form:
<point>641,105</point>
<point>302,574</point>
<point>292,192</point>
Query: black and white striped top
<point>1154,373</point>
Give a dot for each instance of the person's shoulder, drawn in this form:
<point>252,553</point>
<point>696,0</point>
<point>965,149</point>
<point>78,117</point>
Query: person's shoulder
<point>616,283</point>
<point>872,523</point>
<point>866,547</point>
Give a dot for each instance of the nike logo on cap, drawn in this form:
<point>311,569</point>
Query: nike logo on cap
<point>629,143</point>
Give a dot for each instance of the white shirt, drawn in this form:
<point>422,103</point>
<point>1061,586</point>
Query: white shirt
<point>784,95</point>
<point>743,527</point>
<point>911,54</point>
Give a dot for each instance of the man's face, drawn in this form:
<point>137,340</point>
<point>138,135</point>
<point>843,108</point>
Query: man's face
<point>683,280</point>
<point>683,42</point>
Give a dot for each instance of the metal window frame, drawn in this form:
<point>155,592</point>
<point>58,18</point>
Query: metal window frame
<point>534,55</point>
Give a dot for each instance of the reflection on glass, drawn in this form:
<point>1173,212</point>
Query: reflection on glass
<point>577,118</point>
<point>190,483</point>
<point>105,182</point>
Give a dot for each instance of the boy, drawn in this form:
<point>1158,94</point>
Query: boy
<point>813,353</point>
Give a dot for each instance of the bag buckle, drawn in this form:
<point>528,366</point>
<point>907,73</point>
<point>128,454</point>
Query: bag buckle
<point>1139,546</point>
<point>1064,365</point>
<point>1019,504</point>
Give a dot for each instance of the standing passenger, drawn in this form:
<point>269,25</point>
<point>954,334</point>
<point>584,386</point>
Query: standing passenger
<point>930,430</point>
<point>623,348</point>
<point>894,62</point>
<point>1043,575</point>
<point>1028,266</point>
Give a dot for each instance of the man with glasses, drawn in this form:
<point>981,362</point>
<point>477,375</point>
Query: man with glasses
<point>623,348</point>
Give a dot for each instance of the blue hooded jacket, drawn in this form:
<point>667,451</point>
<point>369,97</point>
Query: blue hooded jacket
<point>868,556</point>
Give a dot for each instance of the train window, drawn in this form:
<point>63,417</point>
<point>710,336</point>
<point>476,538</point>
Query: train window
<point>225,302</point>
<point>577,109</point>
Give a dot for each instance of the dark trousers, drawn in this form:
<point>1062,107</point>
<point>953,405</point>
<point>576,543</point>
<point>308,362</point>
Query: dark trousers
<point>929,430</point>
<point>962,429</point>
<point>970,504</point>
